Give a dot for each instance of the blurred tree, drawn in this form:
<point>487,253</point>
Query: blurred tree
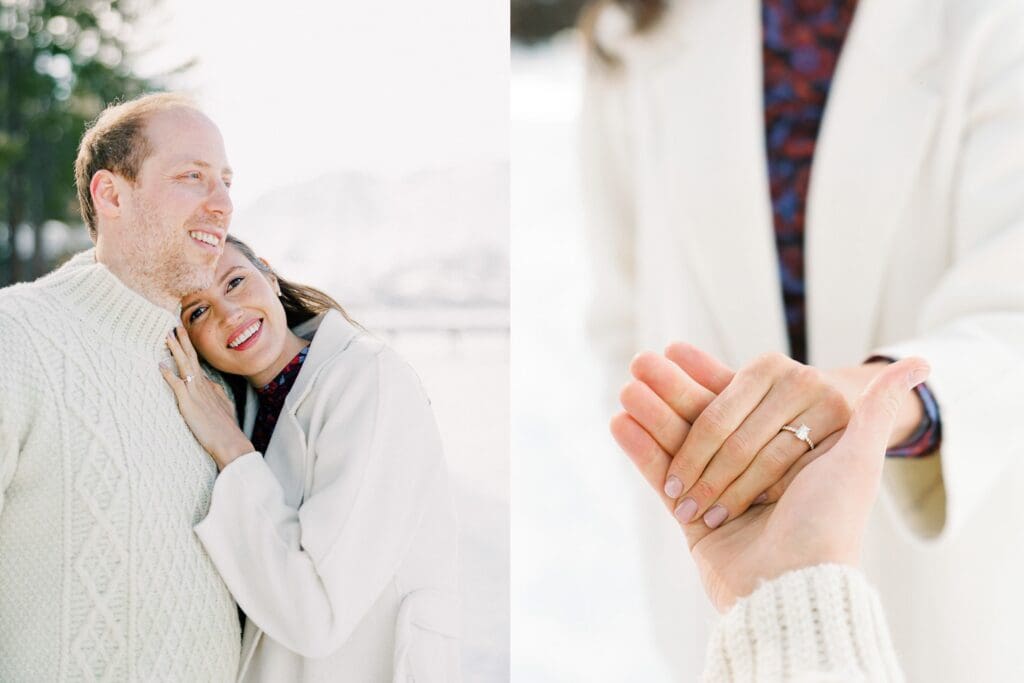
<point>536,20</point>
<point>61,62</point>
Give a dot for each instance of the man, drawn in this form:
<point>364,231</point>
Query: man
<point>101,481</point>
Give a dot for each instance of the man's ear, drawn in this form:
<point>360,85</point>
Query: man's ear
<point>106,194</point>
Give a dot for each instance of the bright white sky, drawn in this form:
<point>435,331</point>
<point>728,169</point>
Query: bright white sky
<point>304,87</point>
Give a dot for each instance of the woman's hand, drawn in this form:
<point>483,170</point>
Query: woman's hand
<point>203,404</point>
<point>821,516</point>
<point>736,452</point>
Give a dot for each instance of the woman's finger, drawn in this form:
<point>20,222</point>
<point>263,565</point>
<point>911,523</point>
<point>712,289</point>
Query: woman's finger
<point>654,415</point>
<point>783,403</point>
<point>177,386</point>
<point>183,362</point>
<point>705,369</point>
<point>677,389</point>
<point>644,451</point>
<point>828,414</point>
<point>186,345</point>
<point>713,427</point>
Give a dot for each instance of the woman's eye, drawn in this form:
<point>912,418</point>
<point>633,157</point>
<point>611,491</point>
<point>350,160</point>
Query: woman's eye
<point>196,312</point>
<point>234,282</point>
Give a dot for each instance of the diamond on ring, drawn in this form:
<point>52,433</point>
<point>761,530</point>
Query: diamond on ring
<point>188,378</point>
<point>803,432</point>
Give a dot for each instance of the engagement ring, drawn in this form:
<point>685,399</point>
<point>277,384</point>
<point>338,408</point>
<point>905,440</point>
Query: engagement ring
<point>803,432</point>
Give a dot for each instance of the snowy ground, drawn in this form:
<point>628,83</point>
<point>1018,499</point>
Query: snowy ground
<point>579,613</point>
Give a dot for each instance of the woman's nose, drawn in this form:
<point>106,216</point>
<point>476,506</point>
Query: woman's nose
<point>232,315</point>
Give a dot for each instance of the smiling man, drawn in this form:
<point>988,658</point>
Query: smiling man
<point>101,482</point>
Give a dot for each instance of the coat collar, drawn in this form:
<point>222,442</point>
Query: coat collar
<point>329,334</point>
<point>872,144</point>
<point>872,139</point>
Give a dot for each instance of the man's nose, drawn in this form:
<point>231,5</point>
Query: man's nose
<point>220,202</point>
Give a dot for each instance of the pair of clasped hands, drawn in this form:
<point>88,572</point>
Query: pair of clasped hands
<point>754,500</point>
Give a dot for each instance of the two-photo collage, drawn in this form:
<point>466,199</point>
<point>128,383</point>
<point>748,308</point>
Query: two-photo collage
<point>511,340</point>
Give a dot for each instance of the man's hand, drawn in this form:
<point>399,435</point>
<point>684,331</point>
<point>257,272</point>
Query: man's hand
<point>821,516</point>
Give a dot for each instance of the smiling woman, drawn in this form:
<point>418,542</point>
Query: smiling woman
<point>238,325</point>
<point>331,413</point>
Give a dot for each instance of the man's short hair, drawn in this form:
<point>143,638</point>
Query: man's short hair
<point>116,142</point>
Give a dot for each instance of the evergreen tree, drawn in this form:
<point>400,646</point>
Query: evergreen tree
<point>61,62</point>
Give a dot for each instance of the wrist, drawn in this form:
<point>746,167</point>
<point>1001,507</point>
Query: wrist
<point>231,451</point>
<point>852,381</point>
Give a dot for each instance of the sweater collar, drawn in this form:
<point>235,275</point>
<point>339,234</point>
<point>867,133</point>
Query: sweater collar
<point>104,303</point>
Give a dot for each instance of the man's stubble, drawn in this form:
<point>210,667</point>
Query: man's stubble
<point>155,255</point>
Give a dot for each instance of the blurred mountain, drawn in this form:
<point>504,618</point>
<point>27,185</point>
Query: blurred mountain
<point>436,239</point>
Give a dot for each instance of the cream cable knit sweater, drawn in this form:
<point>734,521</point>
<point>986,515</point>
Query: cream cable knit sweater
<point>821,623</point>
<point>101,483</point>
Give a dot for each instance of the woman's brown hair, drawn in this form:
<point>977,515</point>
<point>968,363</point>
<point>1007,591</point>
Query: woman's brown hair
<point>301,303</point>
<point>643,13</point>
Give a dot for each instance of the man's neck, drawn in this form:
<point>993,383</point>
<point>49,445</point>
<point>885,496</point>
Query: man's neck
<point>139,282</point>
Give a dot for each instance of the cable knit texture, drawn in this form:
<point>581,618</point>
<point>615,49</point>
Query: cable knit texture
<point>101,483</point>
<point>821,623</point>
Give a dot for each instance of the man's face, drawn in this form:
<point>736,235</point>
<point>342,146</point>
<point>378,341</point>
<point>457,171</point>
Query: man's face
<point>178,211</point>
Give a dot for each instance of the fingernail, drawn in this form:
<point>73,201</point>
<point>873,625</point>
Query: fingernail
<point>686,510</point>
<point>762,498</point>
<point>673,487</point>
<point>918,375</point>
<point>715,516</point>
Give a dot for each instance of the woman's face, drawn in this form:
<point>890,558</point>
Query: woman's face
<point>238,324</point>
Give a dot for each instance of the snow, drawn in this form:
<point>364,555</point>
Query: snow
<point>579,610</point>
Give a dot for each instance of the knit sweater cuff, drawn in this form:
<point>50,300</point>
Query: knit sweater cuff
<point>821,623</point>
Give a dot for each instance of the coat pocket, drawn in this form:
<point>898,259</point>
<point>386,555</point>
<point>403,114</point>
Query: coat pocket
<point>427,638</point>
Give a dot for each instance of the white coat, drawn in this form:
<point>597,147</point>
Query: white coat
<point>339,543</point>
<point>914,246</point>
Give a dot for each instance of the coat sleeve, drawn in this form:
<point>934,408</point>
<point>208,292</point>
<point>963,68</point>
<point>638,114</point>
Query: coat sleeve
<point>608,208</point>
<point>971,328</point>
<point>307,576</point>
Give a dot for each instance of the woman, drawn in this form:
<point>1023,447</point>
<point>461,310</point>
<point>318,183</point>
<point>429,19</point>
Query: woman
<point>717,137</point>
<point>331,523</point>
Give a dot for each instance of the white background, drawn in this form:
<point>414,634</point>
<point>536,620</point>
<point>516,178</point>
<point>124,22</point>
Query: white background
<point>579,609</point>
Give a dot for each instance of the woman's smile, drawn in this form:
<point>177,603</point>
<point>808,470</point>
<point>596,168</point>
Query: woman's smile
<point>246,335</point>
